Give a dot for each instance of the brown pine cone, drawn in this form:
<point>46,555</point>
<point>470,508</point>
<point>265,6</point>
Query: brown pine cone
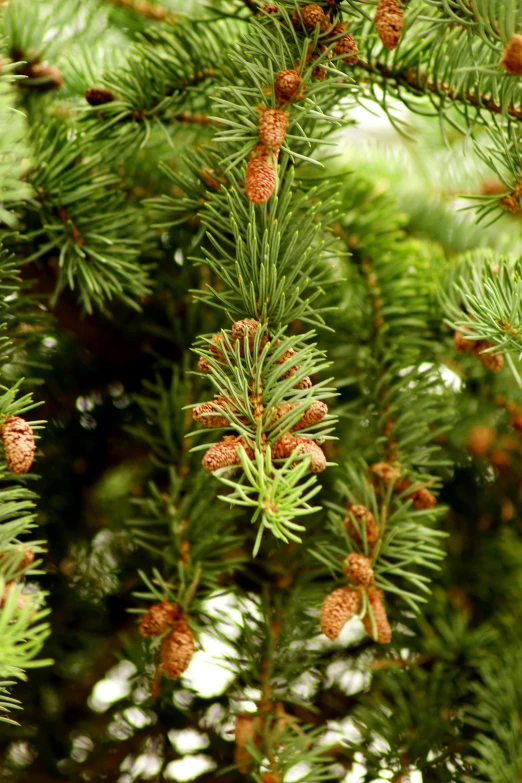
<point>311,15</point>
<point>383,629</point>
<point>480,439</point>
<point>462,344</point>
<point>315,413</point>
<point>49,75</point>
<point>225,454</point>
<point>511,203</point>
<point>28,557</point>
<point>339,607</point>
<point>207,414</point>
<point>97,96</point>
<point>493,362</point>
<point>389,21</point>
<point>423,498</point>
<point>272,128</point>
<point>386,472</point>
<point>359,570</point>
<point>365,520</point>
<point>347,46</point>
<point>19,444</point>
<point>512,60</point>
<point>287,85</point>
<point>286,445</point>
<point>260,180</point>
<point>158,618</point>
<point>177,649</point>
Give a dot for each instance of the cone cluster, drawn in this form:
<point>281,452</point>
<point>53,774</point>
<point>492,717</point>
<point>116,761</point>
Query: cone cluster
<point>19,444</point>
<point>493,362</point>
<point>385,473</point>
<point>365,522</point>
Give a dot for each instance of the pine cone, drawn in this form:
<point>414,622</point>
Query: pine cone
<point>272,128</point>
<point>97,96</point>
<point>19,444</point>
<point>315,413</point>
<point>27,558</point>
<point>379,615</point>
<point>286,445</point>
<point>339,607</point>
<point>491,361</point>
<point>512,60</point>
<point>177,649</point>
<point>225,454</point>
<point>311,15</point>
<point>462,344</point>
<point>347,46</point>
<point>208,415</point>
<point>423,498</point>
<point>389,21</point>
<point>511,203</point>
<point>248,731</point>
<point>386,472</point>
<point>50,75</point>
<point>287,85</point>
<point>158,618</point>
<point>358,569</point>
<point>245,326</point>
<point>366,520</point>
<point>480,439</point>
<point>260,180</point>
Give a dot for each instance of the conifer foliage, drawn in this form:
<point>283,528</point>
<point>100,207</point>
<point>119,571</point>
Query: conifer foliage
<point>281,384</point>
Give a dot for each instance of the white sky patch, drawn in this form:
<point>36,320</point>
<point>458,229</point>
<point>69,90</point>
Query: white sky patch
<point>188,768</point>
<point>115,686</point>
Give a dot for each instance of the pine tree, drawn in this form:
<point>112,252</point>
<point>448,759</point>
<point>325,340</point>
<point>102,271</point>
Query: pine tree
<point>278,374</point>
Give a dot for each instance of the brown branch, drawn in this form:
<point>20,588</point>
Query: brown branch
<point>410,79</point>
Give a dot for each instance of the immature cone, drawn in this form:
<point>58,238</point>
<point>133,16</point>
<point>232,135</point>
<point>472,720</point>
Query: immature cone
<point>358,569</point>
<point>27,558</point>
<point>19,444</point>
<point>511,203</point>
<point>260,180</point>
<point>383,629</point>
<point>461,344</point>
<point>246,326</point>
<point>208,415</point>
<point>312,15</point>
<point>158,618</point>
<point>246,733</point>
<point>386,472</point>
<point>512,60</point>
<point>365,520</point>
<point>225,454</point>
<point>389,21</point>
<point>423,498</point>
<point>177,649</point>
<point>491,361</point>
<point>272,128</point>
<point>287,85</point>
<point>97,96</point>
<point>348,47</point>
<point>286,445</point>
<point>50,75</point>
<point>339,607</point>
<point>315,413</point>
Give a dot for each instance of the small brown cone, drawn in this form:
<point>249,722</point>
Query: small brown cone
<point>386,472</point>
<point>247,732</point>
<point>339,607</point>
<point>365,520</point>
<point>246,326</point>
<point>97,96</point>
<point>260,180</point>
<point>19,444</point>
<point>315,413</point>
<point>158,618</point>
<point>208,415</point>
<point>177,649</point>
<point>347,47</point>
<point>423,498</point>
<point>313,15</point>
<point>50,76</point>
<point>272,128</point>
<point>225,454</point>
<point>462,344</point>
<point>512,60</point>
<point>511,203</point>
<point>287,85</point>
<point>493,362</point>
<point>389,21</point>
<point>359,570</point>
<point>28,557</point>
<point>286,445</point>
<point>383,629</point>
